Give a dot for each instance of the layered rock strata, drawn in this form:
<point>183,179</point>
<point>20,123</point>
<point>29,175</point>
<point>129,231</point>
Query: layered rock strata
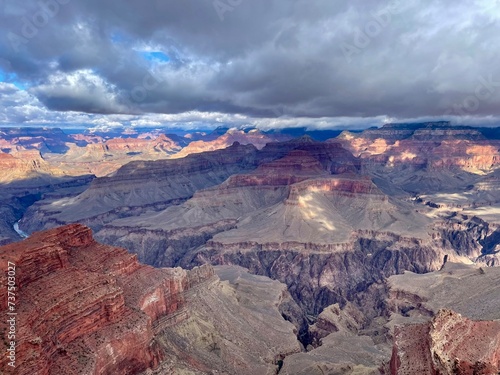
<point>86,308</point>
<point>449,344</point>
<point>141,186</point>
<point>446,322</point>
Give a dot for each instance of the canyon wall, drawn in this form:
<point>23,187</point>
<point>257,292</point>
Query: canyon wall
<point>83,308</point>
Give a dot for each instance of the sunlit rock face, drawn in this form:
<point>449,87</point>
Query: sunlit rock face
<point>449,344</point>
<point>424,158</point>
<point>254,137</point>
<point>87,308</point>
<point>432,145</point>
<point>24,165</point>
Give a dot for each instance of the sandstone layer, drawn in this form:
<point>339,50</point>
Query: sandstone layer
<point>446,322</point>
<point>24,165</point>
<point>254,137</point>
<point>86,308</point>
<point>449,344</point>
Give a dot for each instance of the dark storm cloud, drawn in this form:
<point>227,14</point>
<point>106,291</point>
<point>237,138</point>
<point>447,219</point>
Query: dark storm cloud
<point>260,58</point>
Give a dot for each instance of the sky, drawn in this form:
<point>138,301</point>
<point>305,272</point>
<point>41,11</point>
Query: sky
<point>264,63</point>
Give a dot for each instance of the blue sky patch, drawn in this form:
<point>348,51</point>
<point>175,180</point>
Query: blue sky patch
<point>155,56</point>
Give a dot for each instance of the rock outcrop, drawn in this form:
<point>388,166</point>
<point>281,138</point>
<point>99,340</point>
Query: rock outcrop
<point>234,328</point>
<point>86,308</point>
<point>449,344</point>
<point>254,137</point>
<point>445,322</point>
<point>24,165</point>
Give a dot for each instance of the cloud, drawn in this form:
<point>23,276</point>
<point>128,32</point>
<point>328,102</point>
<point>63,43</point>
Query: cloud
<point>81,91</point>
<point>317,62</point>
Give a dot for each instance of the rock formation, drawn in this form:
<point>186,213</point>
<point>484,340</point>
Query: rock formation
<point>422,158</point>
<point>24,165</point>
<point>330,225</point>
<point>446,322</point>
<point>87,308</point>
<point>449,344</point>
<point>254,137</point>
<point>91,308</point>
<point>140,186</point>
<point>300,203</point>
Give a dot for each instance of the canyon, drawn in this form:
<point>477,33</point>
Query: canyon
<point>87,308</point>
<point>342,230</point>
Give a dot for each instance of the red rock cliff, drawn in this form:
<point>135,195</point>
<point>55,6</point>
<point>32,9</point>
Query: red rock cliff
<point>449,344</point>
<point>87,308</point>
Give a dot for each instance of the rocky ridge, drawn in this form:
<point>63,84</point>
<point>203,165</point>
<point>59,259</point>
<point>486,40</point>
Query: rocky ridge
<point>87,308</point>
<point>449,344</point>
<point>254,137</point>
<point>445,322</point>
<point>106,156</point>
<point>24,165</point>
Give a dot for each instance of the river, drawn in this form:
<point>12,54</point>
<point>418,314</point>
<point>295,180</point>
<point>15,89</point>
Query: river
<point>19,231</point>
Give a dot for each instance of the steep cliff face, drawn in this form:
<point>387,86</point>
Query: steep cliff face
<point>332,155</point>
<point>449,344</point>
<point>23,165</point>
<point>424,158</point>
<point>86,308</point>
<point>320,276</point>
<point>465,155</point>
